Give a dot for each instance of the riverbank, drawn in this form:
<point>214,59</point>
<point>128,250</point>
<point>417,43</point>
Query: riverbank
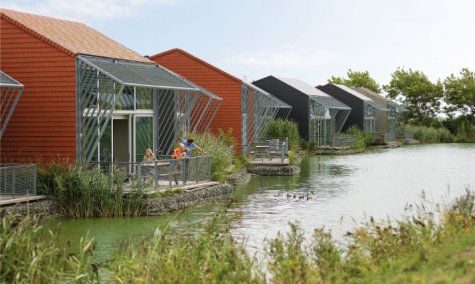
<point>423,249</point>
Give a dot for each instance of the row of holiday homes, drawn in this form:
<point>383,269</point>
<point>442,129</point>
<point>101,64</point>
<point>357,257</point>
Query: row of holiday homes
<point>69,92</point>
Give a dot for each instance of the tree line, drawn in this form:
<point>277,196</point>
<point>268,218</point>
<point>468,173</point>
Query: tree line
<point>424,100</point>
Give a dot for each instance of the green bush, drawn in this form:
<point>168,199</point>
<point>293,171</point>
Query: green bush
<point>281,128</point>
<point>221,149</point>
<point>362,139</point>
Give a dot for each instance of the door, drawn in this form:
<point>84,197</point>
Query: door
<point>120,141</point>
<point>142,136</point>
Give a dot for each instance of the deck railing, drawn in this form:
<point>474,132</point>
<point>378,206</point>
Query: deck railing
<point>273,149</point>
<point>343,140</point>
<point>17,179</point>
<point>165,172</point>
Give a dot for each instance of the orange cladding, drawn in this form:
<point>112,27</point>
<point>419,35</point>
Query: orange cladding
<point>43,126</point>
<point>212,79</point>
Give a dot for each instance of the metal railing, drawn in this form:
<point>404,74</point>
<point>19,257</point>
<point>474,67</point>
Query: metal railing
<point>343,140</point>
<point>17,180</point>
<point>269,149</point>
<point>163,173</point>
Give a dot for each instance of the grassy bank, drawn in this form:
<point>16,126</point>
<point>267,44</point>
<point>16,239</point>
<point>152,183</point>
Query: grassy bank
<point>434,244</point>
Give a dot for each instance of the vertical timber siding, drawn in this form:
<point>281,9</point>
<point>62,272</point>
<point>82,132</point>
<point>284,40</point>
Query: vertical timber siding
<point>213,80</point>
<point>43,126</point>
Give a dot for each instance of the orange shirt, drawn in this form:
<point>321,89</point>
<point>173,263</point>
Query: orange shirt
<point>177,153</point>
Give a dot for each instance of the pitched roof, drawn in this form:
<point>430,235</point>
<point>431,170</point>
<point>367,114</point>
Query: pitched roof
<point>191,56</point>
<point>71,37</point>
<point>372,95</point>
<point>352,92</point>
<point>302,87</point>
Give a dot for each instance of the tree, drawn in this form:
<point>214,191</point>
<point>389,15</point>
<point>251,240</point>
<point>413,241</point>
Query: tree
<point>460,94</point>
<point>417,93</point>
<point>357,79</point>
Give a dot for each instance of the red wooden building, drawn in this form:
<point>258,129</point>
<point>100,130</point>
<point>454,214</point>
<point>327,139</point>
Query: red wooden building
<point>246,108</point>
<point>88,98</point>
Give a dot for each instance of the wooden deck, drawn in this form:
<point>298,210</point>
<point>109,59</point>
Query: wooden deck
<point>9,200</point>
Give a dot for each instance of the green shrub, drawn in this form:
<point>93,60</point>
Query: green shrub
<point>281,128</point>
<point>221,150</point>
<point>362,139</point>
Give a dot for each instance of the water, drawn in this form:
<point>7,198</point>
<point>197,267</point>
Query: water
<point>342,191</point>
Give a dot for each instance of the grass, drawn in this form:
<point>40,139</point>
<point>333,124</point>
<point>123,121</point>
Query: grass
<point>82,192</point>
<point>28,257</point>
<point>434,244</point>
<point>431,134</point>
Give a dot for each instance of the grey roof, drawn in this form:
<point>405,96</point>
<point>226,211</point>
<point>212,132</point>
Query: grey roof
<point>7,81</point>
<point>281,103</point>
<point>303,87</point>
<point>138,74</point>
<point>330,102</point>
<point>353,92</point>
<point>313,93</point>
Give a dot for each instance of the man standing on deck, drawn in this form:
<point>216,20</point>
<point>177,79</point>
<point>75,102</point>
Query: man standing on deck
<point>190,145</point>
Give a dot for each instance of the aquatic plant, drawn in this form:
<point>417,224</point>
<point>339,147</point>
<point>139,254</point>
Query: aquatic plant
<point>430,134</point>
<point>210,257</point>
<point>27,256</point>
<point>82,192</point>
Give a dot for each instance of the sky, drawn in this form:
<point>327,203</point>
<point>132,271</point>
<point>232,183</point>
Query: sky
<point>304,39</point>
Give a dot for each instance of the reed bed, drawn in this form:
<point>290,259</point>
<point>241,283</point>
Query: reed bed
<point>27,256</point>
<point>82,192</point>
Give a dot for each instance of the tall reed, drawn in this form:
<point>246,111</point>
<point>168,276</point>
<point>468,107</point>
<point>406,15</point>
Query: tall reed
<point>210,257</point>
<point>26,256</point>
<point>82,192</point>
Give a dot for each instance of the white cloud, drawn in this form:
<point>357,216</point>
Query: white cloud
<point>100,10</point>
<point>286,56</point>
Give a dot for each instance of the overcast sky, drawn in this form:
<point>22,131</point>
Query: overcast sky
<point>309,40</point>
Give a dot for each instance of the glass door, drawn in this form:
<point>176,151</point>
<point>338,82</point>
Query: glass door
<point>142,136</point>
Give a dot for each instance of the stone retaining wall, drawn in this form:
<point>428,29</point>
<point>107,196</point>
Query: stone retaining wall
<point>240,178</point>
<point>274,170</point>
<point>43,208</point>
<point>187,199</point>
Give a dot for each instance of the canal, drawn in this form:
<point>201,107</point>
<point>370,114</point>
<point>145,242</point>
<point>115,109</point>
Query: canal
<point>337,192</point>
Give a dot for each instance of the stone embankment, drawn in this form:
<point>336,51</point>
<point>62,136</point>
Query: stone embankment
<point>262,170</point>
<point>189,198</point>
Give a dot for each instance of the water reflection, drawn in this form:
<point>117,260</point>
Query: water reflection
<point>332,191</point>
<point>345,190</point>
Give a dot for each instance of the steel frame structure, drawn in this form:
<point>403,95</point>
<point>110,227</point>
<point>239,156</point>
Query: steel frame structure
<point>326,119</point>
<point>258,109</point>
<point>10,93</point>
<point>375,118</point>
<point>159,105</point>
